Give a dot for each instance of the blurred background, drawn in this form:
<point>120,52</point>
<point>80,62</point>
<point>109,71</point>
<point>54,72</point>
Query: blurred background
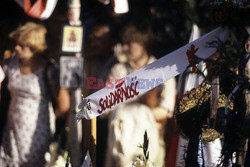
<point>170,20</point>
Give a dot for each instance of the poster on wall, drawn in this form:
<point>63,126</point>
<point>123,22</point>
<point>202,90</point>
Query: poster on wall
<point>71,72</point>
<point>72,39</point>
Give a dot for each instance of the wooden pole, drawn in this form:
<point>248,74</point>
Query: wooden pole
<point>75,133</point>
<point>93,135</point>
<point>89,139</point>
<point>89,126</point>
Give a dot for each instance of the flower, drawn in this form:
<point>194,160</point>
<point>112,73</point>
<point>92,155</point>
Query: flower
<point>149,164</point>
<point>143,160</point>
<point>138,162</point>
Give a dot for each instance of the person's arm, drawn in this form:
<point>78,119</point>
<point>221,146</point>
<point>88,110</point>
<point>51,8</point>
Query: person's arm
<point>166,105</point>
<point>62,98</point>
<point>151,98</point>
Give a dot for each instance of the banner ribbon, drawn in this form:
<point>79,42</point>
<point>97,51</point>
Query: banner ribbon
<point>148,77</point>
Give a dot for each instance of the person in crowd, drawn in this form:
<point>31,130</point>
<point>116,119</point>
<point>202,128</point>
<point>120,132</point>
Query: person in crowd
<point>33,82</point>
<point>99,58</point>
<point>100,51</point>
<point>128,122</point>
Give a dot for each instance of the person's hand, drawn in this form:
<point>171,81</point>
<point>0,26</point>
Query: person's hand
<point>161,115</point>
<point>151,98</point>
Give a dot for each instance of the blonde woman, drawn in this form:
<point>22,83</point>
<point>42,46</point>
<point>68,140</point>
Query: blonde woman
<point>27,133</point>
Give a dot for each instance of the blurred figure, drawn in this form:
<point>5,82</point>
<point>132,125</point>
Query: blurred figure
<point>99,58</point>
<point>33,82</point>
<point>128,122</point>
<point>100,51</point>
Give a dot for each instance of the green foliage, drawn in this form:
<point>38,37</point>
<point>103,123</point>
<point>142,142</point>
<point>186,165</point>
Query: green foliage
<point>145,147</point>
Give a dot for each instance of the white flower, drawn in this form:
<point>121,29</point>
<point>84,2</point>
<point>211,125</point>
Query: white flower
<point>138,162</point>
<point>149,164</point>
<point>61,160</point>
<point>47,156</point>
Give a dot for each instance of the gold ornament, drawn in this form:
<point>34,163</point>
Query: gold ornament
<point>209,135</point>
<point>191,103</point>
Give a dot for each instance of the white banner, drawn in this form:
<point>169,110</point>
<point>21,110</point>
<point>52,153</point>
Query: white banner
<point>137,83</point>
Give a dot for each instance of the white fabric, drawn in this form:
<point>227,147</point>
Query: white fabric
<point>168,94</point>
<point>164,68</point>
<point>49,8</point>
<point>195,33</point>
<point>121,6</point>
<point>2,75</point>
<point>212,152</point>
<point>126,130</point>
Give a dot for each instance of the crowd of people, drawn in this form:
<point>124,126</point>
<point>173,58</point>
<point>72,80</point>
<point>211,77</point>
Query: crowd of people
<point>32,81</point>
<point>32,99</point>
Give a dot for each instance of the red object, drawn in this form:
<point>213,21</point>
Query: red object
<point>113,4</point>
<point>172,145</point>
<point>191,57</point>
<point>172,141</point>
<point>36,9</point>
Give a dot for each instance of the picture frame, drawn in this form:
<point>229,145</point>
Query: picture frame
<point>72,39</point>
<point>71,72</point>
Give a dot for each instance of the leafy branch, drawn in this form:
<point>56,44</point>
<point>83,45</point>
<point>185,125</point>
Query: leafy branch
<point>145,147</point>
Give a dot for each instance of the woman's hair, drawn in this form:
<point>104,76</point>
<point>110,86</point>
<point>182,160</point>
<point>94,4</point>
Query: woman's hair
<point>143,36</point>
<point>32,35</point>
